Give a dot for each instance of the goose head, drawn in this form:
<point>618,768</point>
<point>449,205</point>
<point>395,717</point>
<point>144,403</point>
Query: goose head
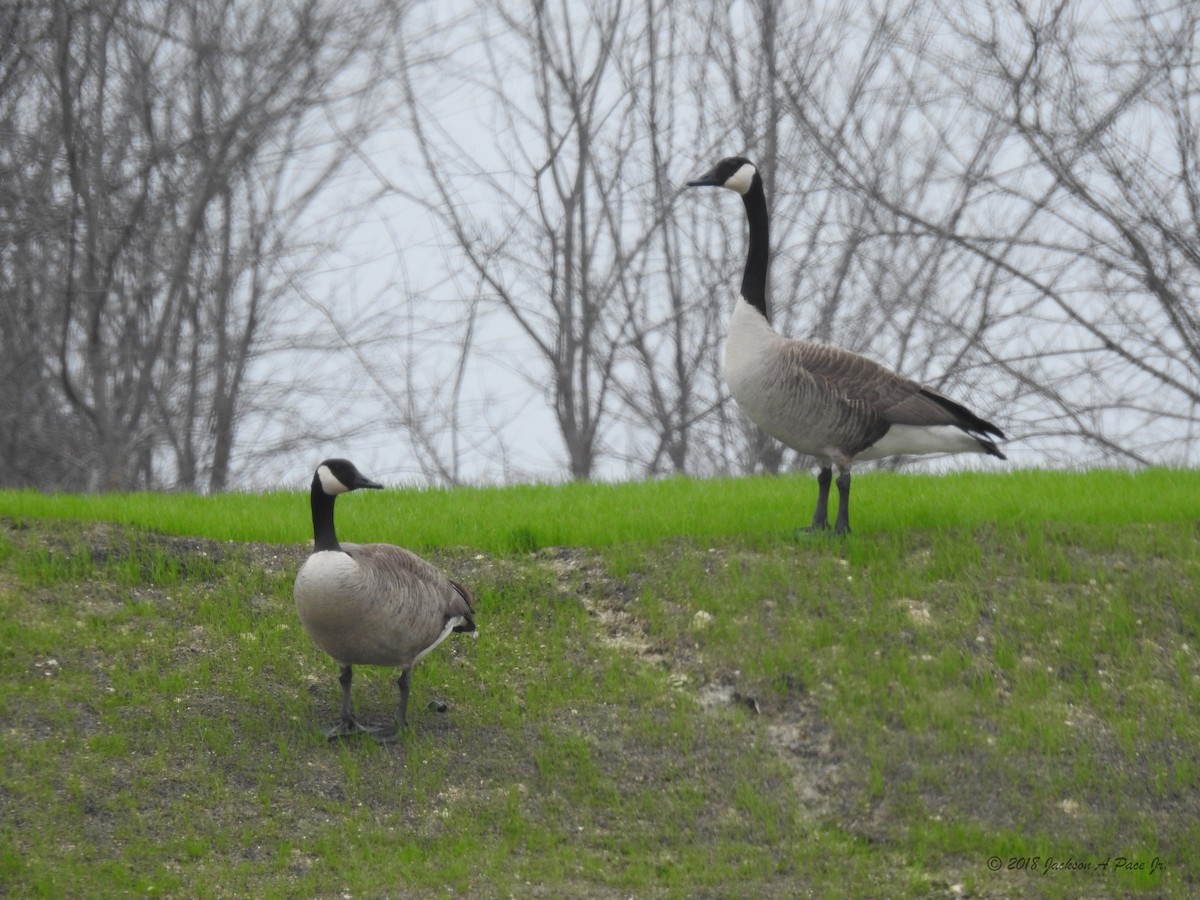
<point>734,172</point>
<point>337,476</point>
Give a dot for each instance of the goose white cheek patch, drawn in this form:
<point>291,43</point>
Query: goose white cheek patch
<point>741,180</point>
<point>329,482</point>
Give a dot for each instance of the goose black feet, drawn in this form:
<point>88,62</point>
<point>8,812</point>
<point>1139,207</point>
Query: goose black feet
<point>348,727</point>
<point>351,724</point>
<point>820,520</point>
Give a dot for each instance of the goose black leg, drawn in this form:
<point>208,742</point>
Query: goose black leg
<point>349,723</point>
<point>820,520</point>
<point>388,735</point>
<point>404,682</point>
<point>842,525</point>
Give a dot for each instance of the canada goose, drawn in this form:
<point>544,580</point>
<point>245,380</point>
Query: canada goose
<point>374,604</point>
<point>821,400</point>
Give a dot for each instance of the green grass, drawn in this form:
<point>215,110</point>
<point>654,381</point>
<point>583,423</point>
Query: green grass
<point>673,694</point>
<point>527,517</point>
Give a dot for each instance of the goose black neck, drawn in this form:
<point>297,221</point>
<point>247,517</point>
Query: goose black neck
<point>754,279</point>
<point>324,537</point>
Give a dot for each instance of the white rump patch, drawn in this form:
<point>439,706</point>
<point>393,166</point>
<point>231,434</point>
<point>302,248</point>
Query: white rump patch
<point>454,622</point>
<point>918,440</point>
<point>329,482</point>
<point>741,180</point>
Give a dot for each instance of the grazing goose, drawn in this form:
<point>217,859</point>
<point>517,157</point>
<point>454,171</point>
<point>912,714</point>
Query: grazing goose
<point>374,604</point>
<point>823,400</point>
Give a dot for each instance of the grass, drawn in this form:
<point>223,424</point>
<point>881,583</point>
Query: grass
<point>673,694</point>
<point>601,516</point>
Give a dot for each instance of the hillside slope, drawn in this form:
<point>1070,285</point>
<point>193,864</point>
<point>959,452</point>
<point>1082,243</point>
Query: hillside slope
<point>978,710</point>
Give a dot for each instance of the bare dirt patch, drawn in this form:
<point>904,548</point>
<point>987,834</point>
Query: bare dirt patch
<point>792,726</point>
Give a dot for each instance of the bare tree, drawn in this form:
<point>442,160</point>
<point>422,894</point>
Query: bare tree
<point>37,430</point>
<point>180,145</point>
<point>574,229</point>
<point>663,379</point>
<point>1056,246</point>
<point>537,234</point>
<point>1103,117</point>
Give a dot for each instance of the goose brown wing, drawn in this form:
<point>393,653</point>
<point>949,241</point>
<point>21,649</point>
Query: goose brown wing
<point>410,580</point>
<point>898,400</point>
<point>864,384</point>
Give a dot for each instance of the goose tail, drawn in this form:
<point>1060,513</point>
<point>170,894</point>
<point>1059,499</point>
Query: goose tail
<point>968,421</point>
<point>989,447</point>
<point>466,618</point>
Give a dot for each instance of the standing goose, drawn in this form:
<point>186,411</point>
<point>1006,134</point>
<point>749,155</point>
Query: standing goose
<point>374,604</point>
<point>821,400</point>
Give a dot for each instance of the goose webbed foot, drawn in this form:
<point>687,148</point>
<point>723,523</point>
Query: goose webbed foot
<point>352,725</point>
<point>389,734</point>
<point>810,531</point>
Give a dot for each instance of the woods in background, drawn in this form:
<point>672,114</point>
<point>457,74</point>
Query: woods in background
<point>1009,193</point>
<point>156,160</point>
